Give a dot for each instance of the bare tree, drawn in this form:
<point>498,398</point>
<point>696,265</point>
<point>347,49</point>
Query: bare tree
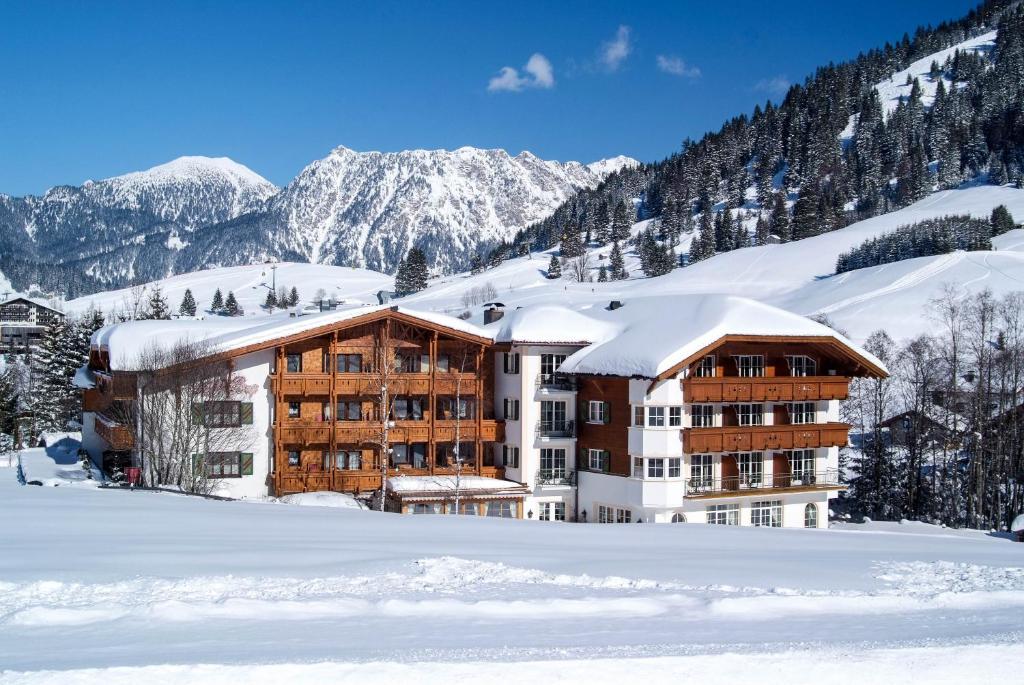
<point>579,268</point>
<point>384,375</point>
<point>458,429</point>
<point>188,419</point>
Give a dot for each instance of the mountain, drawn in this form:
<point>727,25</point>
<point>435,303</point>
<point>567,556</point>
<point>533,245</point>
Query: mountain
<point>350,208</point>
<point>123,228</point>
<point>368,208</point>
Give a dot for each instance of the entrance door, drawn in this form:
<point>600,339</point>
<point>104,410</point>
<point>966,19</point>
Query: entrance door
<point>730,472</point>
<point>781,474</point>
<point>551,511</point>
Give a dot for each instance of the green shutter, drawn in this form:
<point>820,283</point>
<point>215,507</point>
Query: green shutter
<point>246,413</point>
<point>606,461</point>
<point>607,412</point>
<point>247,460</point>
<point>197,413</point>
<point>197,464</point>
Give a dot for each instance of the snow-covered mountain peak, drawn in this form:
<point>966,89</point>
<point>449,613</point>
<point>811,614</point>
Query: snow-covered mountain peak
<point>603,167</point>
<point>196,168</point>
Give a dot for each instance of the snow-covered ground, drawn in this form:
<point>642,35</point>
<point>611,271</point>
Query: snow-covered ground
<point>113,586</point>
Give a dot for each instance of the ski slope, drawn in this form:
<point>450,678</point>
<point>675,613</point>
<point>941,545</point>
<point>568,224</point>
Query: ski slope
<point>166,588</point>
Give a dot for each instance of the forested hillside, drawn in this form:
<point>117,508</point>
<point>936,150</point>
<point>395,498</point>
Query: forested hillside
<point>847,144</point>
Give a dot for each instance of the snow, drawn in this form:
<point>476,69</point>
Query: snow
<point>443,485</point>
<point>323,498</point>
<point>117,586</point>
<point>604,167</point>
<point>550,324</point>
<point>191,167</point>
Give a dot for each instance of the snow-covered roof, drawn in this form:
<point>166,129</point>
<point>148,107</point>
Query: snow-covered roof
<point>32,300</point>
<point>654,334</point>
<point>552,324</point>
<point>127,342</point>
<point>444,486</point>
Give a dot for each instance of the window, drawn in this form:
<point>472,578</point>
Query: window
<point>294,410</point>
<point>227,464</point>
<point>701,472</point>
<point>811,516</point>
<point>408,409</point>
<point>750,414</point>
<point>706,367</point>
<point>350,411</point>
<point>656,468</point>
<point>801,365</point>
<point>750,365</point>
<point>549,364</point>
<point>724,514</point>
<point>638,467</point>
<point>552,464</point>
<point>802,412</point>
<point>409,362</point>
<point>598,411</point>
<point>399,454</point>
<point>675,467</point>
<point>293,458</point>
<point>656,417</point>
<point>448,405</point>
<point>511,362</point>
<point>511,409</point>
<point>344,460</point>
<point>510,456</point>
<point>552,416</point>
<point>613,514</point>
<point>766,513</point>
<point>751,467</point>
<point>443,363</point>
<point>226,414</point>
<point>505,509</point>
<point>598,460</point>
<point>678,518</point>
<point>702,415</point>
<point>551,511</point>
<point>465,508</point>
<point>675,417</point>
<point>638,416</point>
<point>425,508</point>
<point>350,363</point>
<point>294,363</point>
<point>801,467</point>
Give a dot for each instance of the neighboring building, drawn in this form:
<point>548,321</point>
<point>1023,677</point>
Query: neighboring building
<point>688,408</point>
<point>932,426</point>
<point>22,321</point>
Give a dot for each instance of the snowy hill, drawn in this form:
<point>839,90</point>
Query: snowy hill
<point>369,208</point>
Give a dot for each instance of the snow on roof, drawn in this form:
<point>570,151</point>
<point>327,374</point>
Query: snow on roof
<point>442,486</point>
<point>656,333</point>
<point>32,300</point>
<point>84,378</point>
<point>550,324</point>
<point>127,342</point>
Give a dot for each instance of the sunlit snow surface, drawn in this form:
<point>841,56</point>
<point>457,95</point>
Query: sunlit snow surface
<point>111,586</point>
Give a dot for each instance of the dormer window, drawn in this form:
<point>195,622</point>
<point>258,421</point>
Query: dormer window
<point>705,367</point>
<point>750,365</point>
<point>801,365</point>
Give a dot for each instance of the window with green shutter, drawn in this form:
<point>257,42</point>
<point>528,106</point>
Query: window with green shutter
<point>246,413</point>
<point>246,459</point>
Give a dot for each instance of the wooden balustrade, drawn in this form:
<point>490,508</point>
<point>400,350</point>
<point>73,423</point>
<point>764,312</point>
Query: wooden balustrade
<point>117,436</point>
<point>365,384</point>
<point>758,438</point>
<point>363,480</point>
<point>770,389</point>
<point>359,432</point>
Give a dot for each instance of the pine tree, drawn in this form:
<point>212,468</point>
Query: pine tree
<point>9,402</point>
<point>271,302</point>
<point>1002,220</point>
<point>761,231</point>
<point>572,244</point>
<point>779,221</point>
<point>620,222</point>
<point>293,297</point>
<point>602,274</point>
<point>157,307</point>
<point>416,265</point>
<point>618,264</point>
<point>53,368</point>
<point>218,301</point>
<point>554,268</point>
<point>602,225</point>
<point>476,264</point>
<point>188,304</point>
<point>805,213</point>
<point>402,277</point>
<point>231,305</point>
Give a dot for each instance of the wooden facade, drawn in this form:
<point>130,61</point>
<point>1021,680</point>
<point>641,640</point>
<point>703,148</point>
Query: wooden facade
<point>613,435</point>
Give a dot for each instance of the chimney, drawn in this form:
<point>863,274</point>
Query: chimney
<point>492,314</point>
<point>614,304</point>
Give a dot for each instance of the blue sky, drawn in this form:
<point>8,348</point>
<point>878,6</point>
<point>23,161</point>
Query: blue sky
<point>91,90</point>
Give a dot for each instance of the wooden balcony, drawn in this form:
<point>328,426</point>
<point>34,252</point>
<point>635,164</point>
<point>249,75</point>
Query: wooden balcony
<point>117,436</point>
<point>759,438</point>
<point>118,386</point>
<point>491,430</point>
<point>302,384</point>
<point>94,400</point>
<point>365,480</point>
<point>775,389</point>
<point>365,384</point>
<point>361,432</point>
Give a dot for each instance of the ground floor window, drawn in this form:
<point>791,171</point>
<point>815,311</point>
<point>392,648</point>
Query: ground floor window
<point>724,514</point>
<point>766,513</point>
<point>223,464</point>
<point>505,509</point>
<point>811,516</point>
<point>678,518</point>
<point>613,515</point>
<point>465,508</point>
<point>551,511</point>
<point>425,508</point>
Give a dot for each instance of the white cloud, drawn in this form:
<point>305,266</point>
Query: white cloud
<point>670,64</point>
<point>615,51</point>
<point>538,74</point>
<point>776,85</point>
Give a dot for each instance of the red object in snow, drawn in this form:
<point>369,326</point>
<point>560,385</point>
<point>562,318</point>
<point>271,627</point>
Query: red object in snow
<point>133,474</point>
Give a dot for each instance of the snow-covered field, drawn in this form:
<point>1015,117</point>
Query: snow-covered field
<point>111,586</point>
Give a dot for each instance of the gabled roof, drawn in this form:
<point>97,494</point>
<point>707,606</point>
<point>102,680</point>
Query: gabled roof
<point>126,342</point>
<point>32,301</point>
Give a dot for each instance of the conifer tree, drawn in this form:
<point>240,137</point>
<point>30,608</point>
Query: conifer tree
<point>217,303</point>
<point>602,225</point>
<point>554,268</point>
<point>231,305</point>
<point>620,222</point>
<point>188,304</point>
<point>1002,220</point>
<point>293,297</point>
<point>157,307</point>
<point>602,274</point>
<point>402,277</point>
<point>9,402</point>
<point>572,244</point>
<point>476,264</point>
<point>779,221</point>
<point>271,302</point>
<point>805,213</point>
<point>53,368</point>
<point>761,231</point>
<point>618,264</point>
<point>412,272</point>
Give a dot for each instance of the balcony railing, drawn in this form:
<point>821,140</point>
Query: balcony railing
<point>756,484</point>
<point>765,389</point>
<point>555,381</point>
<point>759,438</point>
<point>556,429</point>
<point>556,477</point>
